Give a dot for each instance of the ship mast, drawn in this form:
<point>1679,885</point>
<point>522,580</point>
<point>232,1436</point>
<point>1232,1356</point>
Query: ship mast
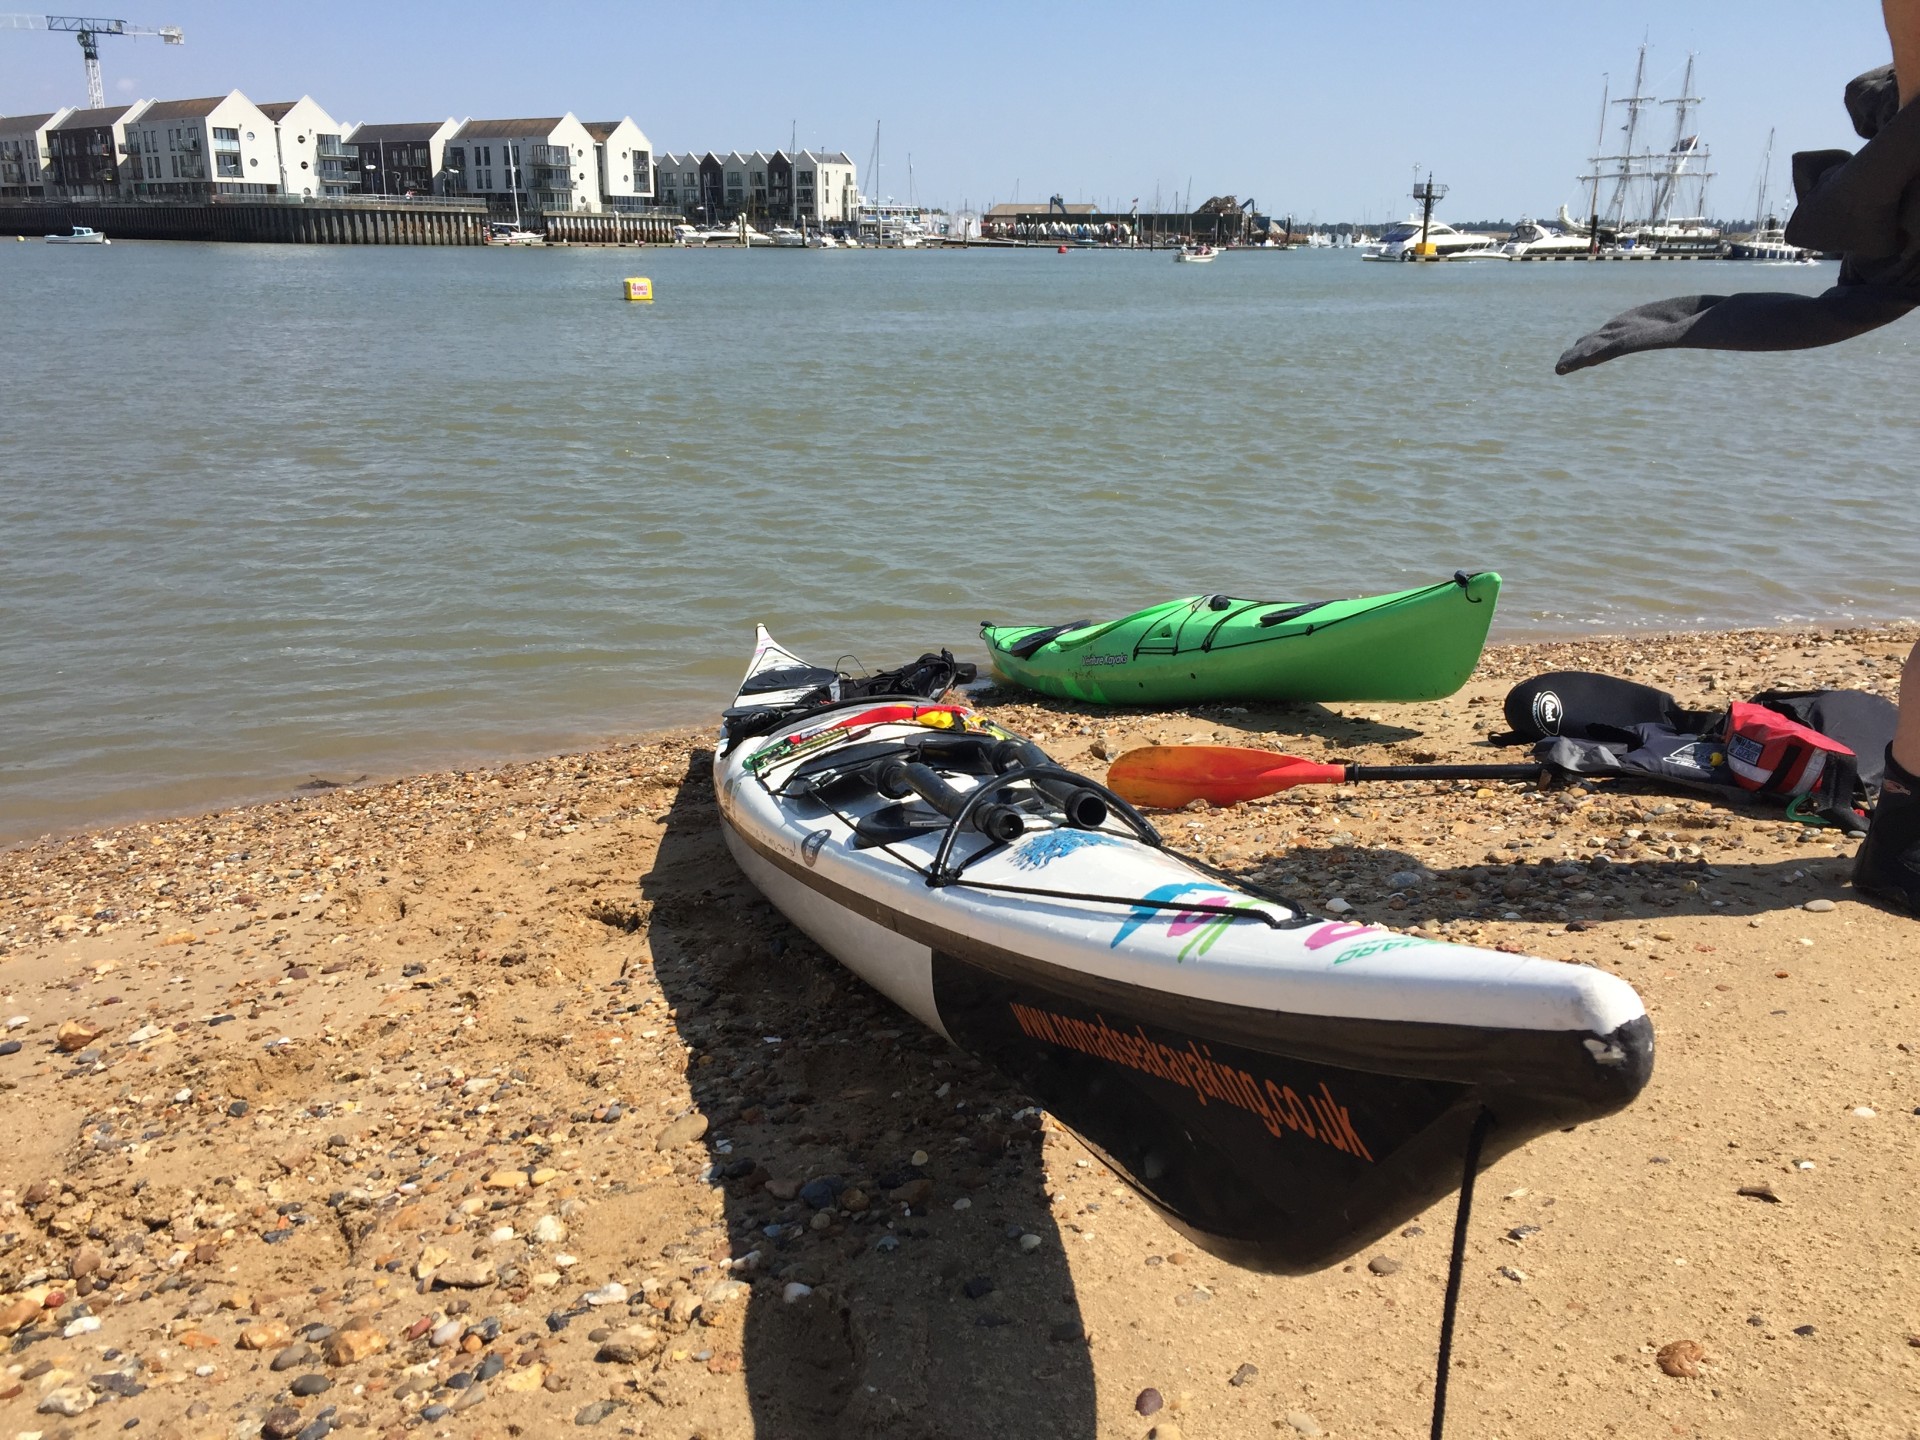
<point>1685,148</point>
<point>1623,178</point>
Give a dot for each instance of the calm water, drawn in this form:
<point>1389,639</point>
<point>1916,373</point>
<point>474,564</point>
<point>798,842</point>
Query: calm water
<point>271,511</point>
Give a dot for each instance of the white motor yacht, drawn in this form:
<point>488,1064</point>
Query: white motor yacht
<point>1401,241</point>
<point>786,237</point>
<point>1197,254</point>
<point>79,235</point>
<point>688,235</point>
<point>503,233</point>
<point>1531,240</point>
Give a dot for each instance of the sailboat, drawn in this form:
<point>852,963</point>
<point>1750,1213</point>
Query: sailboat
<point>1768,240</point>
<point>1660,175</point>
<point>501,233</point>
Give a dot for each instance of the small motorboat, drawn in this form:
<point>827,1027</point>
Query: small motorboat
<point>1196,254</point>
<point>1282,1087</point>
<point>79,235</point>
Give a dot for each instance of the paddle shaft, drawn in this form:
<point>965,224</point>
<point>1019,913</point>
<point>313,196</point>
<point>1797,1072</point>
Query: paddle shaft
<point>1442,772</point>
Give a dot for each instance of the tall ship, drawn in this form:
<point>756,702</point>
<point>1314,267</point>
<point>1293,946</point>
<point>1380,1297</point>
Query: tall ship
<point>1644,199</point>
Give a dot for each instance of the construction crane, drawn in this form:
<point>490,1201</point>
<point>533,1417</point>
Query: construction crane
<point>90,30</point>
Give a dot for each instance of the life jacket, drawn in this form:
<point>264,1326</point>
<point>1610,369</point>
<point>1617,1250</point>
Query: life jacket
<point>1822,751</point>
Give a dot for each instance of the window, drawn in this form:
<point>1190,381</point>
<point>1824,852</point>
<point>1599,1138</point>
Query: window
<point>221,132</point>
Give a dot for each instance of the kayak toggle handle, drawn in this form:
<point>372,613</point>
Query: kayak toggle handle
<point>1083,808</point>
<point>902,778</point>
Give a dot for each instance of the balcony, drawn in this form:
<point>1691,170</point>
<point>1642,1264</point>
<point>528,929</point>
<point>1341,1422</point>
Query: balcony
<point>552,155</point>
<point>331,147</point>
<point>545,178</point>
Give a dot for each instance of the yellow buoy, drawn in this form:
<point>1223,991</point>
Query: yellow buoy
<point>638,288</point>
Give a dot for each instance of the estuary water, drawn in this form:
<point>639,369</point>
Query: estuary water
<point>273,511</point>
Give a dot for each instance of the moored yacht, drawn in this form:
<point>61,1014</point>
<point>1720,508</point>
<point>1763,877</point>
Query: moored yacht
<point>1769,242</point>
<point>1401,241</point>
<point>1531,240</point>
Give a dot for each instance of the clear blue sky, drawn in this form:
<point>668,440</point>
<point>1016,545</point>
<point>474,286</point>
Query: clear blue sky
<point>1314,109</point>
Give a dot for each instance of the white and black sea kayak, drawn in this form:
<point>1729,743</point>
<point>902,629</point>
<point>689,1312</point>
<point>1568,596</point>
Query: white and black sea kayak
<point>1284,1087</point>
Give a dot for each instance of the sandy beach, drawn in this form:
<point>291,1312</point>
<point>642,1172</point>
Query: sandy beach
<point>484,1102</point>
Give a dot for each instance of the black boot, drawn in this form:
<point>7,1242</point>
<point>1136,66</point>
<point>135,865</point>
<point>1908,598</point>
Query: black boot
<point>1888,865</point>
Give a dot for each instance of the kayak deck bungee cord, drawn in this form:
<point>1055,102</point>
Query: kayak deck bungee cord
<point>1284,1088</point>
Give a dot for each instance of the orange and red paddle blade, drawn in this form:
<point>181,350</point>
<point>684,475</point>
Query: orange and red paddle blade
<point>1166,777</point>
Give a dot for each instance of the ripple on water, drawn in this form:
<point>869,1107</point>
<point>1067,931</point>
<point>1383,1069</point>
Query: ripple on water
<point>470,507</point>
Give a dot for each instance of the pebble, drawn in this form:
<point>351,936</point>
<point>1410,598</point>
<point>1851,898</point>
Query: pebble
<point>822,1192</point>
<point>683,1131</point>
<point>315,1384</point>
<point>611,1293</point>
<point>596,1412</point>
<point>69,1400</point>
<point>1818,907</point>
<point>1303,1422</point>
<point>1384,1265</point>
<point>1030,1243</point>
<point>9,1047</point>
<point>549,1230</point>
<point>617,1352</point>
<point>1863,1112</point>
<point>795,1291</point>
<point>978,1287</point>
<point>1165,1430</point>
<point>1681,1359</point>
<point>85,1325</point>
<point>1244,1375</point>
<point>282,1422</point>
<point>466,1274</point>
<point>1148,1401</point>
<point>1338,905</point>
<point>446,1334</point>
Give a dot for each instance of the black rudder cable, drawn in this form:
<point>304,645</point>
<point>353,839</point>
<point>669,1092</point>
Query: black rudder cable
<point>1455,1266</point>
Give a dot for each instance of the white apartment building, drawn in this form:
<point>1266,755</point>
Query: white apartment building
<point>824,188</point>
<point>623,158</point>
<point>25,160</point>
<point>314,160</point>
<point>197,149</point>
<point>548,164</point>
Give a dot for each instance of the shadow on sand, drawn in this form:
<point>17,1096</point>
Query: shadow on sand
<point>930,1323</point>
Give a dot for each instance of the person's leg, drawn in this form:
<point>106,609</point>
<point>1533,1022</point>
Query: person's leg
<point>1888,865</point>
<point>1906,736</point>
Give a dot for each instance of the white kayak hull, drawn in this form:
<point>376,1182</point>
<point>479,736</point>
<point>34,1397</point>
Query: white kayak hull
<point>1284,1087</point>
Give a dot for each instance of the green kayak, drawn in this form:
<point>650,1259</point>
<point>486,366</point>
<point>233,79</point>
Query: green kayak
<point>1410,645</point>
